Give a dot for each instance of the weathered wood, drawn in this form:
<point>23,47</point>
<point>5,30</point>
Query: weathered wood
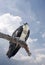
<point>15,41</point>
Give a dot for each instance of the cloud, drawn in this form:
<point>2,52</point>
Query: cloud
<point>8,22</point>
<point>39,50</point>
<point>39,57</point>
<point>30,40</point>
<point>43,35</point>
<point>21,57</point>
<point>36,58</point>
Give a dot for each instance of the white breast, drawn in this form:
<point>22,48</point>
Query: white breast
<point>24,33</point>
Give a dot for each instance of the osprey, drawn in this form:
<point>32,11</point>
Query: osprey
<point>22,33</point>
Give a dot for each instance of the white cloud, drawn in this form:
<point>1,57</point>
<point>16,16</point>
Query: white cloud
<point>30,40</point>
<point>43,35</point>
<point>8,22</point>
<point>22,57</point>
<point>36,57</point>
<point>39,50</point>
<point>39,57</point>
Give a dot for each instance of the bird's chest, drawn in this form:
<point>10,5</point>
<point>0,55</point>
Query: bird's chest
<point>23,35</point>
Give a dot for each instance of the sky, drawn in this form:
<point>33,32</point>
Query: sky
<point>14,13</point>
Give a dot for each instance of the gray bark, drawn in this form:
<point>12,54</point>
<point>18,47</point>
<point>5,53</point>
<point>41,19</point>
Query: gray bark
<point>16,41</point>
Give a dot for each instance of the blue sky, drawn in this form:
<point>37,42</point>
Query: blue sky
<point>14,13</point>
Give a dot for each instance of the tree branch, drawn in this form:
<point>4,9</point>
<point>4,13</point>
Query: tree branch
<point>15,41</point>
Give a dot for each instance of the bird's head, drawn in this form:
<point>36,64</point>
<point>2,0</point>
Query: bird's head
<point>25,23</point>
<point>26,26</point>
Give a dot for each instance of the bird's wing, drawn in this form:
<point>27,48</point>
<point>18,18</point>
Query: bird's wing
<point>17,32</point>
<point>13,48</point>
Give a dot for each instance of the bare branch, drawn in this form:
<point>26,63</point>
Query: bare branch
<point>15,41</point>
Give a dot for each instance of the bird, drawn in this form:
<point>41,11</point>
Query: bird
<point>22,32</point>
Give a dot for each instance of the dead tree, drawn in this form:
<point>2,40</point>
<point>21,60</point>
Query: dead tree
<point>16,41</point>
